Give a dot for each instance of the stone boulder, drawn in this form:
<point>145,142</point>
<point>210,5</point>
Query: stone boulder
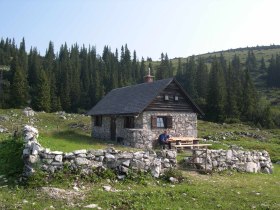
<point>28,112</point>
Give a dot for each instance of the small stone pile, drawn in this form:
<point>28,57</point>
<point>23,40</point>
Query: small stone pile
<point>240,160</point>
<point>35,156</point>
<point>28,112</point>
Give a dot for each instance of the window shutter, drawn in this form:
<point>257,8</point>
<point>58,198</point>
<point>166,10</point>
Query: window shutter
<point>169,121</point>
<point>153,121</point>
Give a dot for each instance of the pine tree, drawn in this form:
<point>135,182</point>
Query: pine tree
<point>249,97</point>
<point>142,71</point>
<point>22,58</point>
<point>262,66</point>
<point>232,109</point>
<point>216,95</point>
<point>42,99</point>
<point>19,87</point>
<point>190,76</point>
<point>135,68</point>
<point>64,69</point>
<point>251,62</point>
<point>164,70</point>
<point>51,73</point>
<point>75,91</point>
<point>201,79</point>
<point>237,81</point>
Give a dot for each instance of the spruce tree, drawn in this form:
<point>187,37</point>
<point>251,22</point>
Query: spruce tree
<point>42,99</point>
<point>232,109</point>
<point>19,87</point>
<point>249,97</point>
<point>216,93</point>
<point>262,68</point>
<point>142,71</point>
<point>201,80</point>
<point>190,77</point>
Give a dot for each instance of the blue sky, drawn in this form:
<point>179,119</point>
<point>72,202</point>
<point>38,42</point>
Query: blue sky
<point>178,27</point>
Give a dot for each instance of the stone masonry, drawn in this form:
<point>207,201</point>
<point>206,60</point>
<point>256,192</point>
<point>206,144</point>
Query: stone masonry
<point>240,160</point>
<point>142,136</point>
<point>36,157</point>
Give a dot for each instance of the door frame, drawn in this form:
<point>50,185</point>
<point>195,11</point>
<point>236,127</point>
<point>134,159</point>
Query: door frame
<point>113,128</point>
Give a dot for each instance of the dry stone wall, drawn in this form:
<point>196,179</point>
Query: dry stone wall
<point>36,157</point>
<point>240,160</point>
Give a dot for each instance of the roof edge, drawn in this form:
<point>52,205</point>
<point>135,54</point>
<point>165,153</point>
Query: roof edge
<point>193,104</point>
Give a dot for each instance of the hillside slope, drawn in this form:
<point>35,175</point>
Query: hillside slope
<point>265,52</point>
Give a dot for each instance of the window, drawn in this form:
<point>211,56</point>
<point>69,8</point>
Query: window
<point>98,120</point>
<point>128,122</point>
<point>166,97</point>
<point>161,122</point>
<point>176,98</point>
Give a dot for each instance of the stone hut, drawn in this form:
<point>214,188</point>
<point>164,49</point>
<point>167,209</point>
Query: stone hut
<point>136,115</point>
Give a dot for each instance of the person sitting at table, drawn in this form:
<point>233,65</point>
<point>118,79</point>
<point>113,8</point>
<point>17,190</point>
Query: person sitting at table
<point>163,140</point>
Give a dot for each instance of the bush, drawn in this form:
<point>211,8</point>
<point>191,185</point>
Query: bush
<point>11,164</point>
<point>232,120</point>
<point>139,177</point>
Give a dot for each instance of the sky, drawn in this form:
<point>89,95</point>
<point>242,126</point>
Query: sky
<point>179,28</point>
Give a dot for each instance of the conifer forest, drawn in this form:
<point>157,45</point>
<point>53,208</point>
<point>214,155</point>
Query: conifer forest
<point>75,78</point>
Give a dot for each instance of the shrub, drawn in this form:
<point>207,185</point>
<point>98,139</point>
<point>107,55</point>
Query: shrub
<point>11,164</point>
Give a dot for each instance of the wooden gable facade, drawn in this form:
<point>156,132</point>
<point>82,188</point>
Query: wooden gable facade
<point>172,98</point>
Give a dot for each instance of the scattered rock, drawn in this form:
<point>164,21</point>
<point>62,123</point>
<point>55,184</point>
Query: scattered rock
<point>173,180</point>
<point>4,118</point>
<point>76,188</point>
<point>28,112</point>
<point>91,206</point>
<point>3,130</point>
<point>107,188</point>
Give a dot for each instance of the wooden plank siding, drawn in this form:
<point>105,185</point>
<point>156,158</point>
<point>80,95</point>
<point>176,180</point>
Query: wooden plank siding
<point>159,104</point>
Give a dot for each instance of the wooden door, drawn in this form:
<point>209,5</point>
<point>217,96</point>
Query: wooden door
<point>113,128</point>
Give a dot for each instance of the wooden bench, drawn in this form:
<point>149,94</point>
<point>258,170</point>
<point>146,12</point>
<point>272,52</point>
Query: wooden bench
<point>191,145</point>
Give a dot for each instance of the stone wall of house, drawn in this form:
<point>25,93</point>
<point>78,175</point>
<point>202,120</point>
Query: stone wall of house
<point>240,160</point>
<point>36,157</point>
<point>183,124</point>
<point>142,136</point>
<point>101,132</point>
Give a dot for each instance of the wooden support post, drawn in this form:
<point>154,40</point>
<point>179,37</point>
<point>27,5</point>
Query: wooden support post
<point>205,159</point>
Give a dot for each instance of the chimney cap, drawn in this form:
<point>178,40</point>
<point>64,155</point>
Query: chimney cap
<point>149,78</point>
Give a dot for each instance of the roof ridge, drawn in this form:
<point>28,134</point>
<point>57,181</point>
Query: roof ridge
<point>129,86</point>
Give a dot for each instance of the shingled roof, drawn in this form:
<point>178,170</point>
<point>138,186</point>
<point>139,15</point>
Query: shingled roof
<point>132,100</point>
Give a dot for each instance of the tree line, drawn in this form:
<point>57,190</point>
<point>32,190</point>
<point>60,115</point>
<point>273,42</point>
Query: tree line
<point>273,72</point>
<point>76,78</point>
<point>225,90</point>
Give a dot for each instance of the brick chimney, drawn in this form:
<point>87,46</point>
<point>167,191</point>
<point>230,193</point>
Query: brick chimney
<point>149,78</point>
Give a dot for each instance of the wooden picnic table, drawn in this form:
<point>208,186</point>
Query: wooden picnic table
<point>186,142</point>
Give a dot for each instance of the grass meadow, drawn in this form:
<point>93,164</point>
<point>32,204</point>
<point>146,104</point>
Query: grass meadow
<point>226,190</point>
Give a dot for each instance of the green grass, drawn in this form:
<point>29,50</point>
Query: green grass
<point>271,143</point>
<point>70,140</point>
<point>228,190</point>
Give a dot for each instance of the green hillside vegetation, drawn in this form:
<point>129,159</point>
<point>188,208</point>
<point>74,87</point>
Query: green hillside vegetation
<point>258,76</point>
<point>67,132</point>
<point>229,86</point>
